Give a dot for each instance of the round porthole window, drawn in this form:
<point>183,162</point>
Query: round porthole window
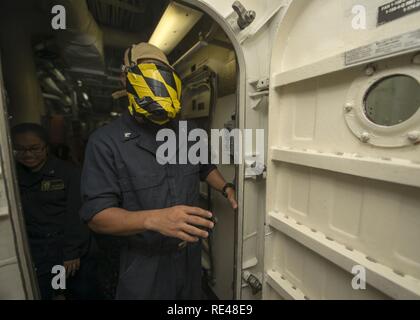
<point>392,100</point>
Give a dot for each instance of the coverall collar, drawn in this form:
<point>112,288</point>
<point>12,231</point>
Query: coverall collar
<point>146,136</point>
<point>145,133</point>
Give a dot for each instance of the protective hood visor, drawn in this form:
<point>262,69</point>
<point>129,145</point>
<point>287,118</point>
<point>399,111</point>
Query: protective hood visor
<point>154,91</point>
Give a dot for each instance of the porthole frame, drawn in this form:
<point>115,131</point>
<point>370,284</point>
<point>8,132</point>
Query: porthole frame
<point>399,135</point>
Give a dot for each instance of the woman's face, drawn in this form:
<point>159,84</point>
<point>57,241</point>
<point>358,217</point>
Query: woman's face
<point>30,150</point>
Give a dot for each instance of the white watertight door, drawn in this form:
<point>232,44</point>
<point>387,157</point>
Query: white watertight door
<point>343,189</point>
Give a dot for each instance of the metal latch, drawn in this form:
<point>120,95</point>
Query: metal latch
<point>245,17</point>
<point>252,281</point>
<point>255,170</point>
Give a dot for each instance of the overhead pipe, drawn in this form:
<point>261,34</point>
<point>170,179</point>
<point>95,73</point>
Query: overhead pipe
<point>82,40</point>
<point>51,86</point>
<point>19,70</point>
<point>64,100</point>
<point>51,96</point>
<point>82,44</point>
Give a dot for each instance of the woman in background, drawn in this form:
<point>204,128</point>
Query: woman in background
<point>50,195</point>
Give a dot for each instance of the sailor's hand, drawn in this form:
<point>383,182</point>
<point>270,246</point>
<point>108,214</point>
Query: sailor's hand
<point>181,222</point>
<point>72,266</point>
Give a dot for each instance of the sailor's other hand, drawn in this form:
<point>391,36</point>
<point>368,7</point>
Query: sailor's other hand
<point>230,192</point>
<point>182,222</point>
<point>72,266</point>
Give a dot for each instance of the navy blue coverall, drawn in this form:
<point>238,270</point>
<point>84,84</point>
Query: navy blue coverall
<point>121,170</point>
<point>51,202</point>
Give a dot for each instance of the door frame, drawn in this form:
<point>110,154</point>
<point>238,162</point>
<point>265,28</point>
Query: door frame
<point>240,105</point>
<point>23,255</point>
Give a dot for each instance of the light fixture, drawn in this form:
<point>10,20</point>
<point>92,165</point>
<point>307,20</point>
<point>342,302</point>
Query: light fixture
<point>176,22</point>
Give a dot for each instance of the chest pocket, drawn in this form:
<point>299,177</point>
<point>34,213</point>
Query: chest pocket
<point>143,192</point>
<point>51,195</point>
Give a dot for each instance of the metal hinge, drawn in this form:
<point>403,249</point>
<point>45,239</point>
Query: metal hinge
<point>261,91</point>
<point>245,17</point>
<point>263,84</point>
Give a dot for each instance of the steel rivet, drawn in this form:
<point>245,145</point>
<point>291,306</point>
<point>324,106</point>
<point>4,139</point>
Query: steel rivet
<point>370,71</point>
<point>399,273</point>
<point>416,59</point>
<point>365,137</point>
<point>348,107</point>
<point>371,259</point>
<point>414,136</point>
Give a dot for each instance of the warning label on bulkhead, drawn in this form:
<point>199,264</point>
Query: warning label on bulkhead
<point>406,42</point>
<point>397,9</point>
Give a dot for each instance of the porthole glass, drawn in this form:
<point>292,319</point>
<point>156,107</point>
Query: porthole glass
<point>392,100</point>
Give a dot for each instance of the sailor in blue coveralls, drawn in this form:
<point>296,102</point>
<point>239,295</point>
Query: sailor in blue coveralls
<point>127,192</point>
<point>50,196</point>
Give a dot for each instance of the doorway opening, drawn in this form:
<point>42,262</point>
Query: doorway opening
<point>68,81</point>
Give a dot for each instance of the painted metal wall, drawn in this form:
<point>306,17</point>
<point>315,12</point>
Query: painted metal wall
<point>346,190</point>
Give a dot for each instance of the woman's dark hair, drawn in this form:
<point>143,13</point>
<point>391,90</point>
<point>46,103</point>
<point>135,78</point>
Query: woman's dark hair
<point>30,128</point>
